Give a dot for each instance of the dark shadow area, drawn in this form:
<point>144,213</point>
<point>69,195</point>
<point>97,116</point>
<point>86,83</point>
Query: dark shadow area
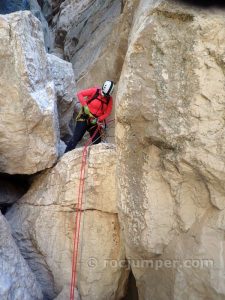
<point>12,188</point>
<point>204,3</point>
<point>9,6</point>
<point>41,3</point>
<point>132,292</point>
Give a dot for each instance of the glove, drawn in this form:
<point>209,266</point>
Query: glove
<point>94,121</point>
<point>86,110</point>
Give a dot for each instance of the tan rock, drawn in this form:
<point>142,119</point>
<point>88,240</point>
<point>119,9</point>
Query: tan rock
<point>29,123</point>
<point>191,266</point>
<point>37,12</point>
<point>43,224</point>
<point>170,141</point>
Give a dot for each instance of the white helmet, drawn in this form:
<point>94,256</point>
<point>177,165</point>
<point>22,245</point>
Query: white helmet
<point>107,88</point>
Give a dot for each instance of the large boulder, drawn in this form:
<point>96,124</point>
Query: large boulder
<point>171,153</point>
<point>43,224</point>
<point>10,6</point>
<point>29,133</point>
<point>16,279</point>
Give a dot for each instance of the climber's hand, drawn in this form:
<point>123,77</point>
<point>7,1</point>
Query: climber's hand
<point>94,121</point>
<point>86,110</point>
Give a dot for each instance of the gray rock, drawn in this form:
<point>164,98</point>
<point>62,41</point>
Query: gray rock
<point>36,10</point>
<point>63,77</point>
<point>16,279</point>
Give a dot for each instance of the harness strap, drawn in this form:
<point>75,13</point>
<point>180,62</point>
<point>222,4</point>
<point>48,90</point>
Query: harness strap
<point>96,97</point>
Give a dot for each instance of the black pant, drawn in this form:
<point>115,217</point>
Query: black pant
<point>80,129</point>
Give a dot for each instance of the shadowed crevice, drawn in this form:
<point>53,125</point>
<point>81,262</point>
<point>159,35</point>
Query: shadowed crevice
<point>204,3</point>
<point>12,188</point>
<point>132,292</point>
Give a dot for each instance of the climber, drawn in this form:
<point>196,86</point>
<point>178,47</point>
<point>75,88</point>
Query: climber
<point>96,107</point>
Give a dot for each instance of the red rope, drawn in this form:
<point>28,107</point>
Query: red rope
<point>78,215</point>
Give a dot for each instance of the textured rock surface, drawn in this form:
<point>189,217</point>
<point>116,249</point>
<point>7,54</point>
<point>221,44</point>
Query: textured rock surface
<point>170,143</point>
<point>36,10</point>
<point>65,294</point>
<point>50,8</point>
<point>170,138</point>
<point>81,30</point>
<point>26,145</point>
<point>64,81</point>
<point>43,221</point>
<point>16,279</point>
<point>10,6</point>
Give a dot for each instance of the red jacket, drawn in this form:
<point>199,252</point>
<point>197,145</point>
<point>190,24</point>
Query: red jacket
<point>99,108</point>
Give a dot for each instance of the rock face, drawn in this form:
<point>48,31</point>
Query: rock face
<point>50,8</point>
<point>170,138</point>
<point>110,61</point>
<point>81,30</point>
<point>169,157</point>
<point>64,81</point>
<point>47,210</point>
<point>27,98</point>
<point>37,12</point>
<point>16,279</point>
<point>10,6</point>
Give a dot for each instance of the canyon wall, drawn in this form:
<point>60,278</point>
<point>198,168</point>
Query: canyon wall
<point>154,202</point>
<point>170,141</point>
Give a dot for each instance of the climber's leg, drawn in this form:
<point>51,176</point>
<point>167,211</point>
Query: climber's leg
<point>97,138</point>
<point>79,132</point>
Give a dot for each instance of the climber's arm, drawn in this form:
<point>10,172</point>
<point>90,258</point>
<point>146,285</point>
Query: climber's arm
<point>85,93</point>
